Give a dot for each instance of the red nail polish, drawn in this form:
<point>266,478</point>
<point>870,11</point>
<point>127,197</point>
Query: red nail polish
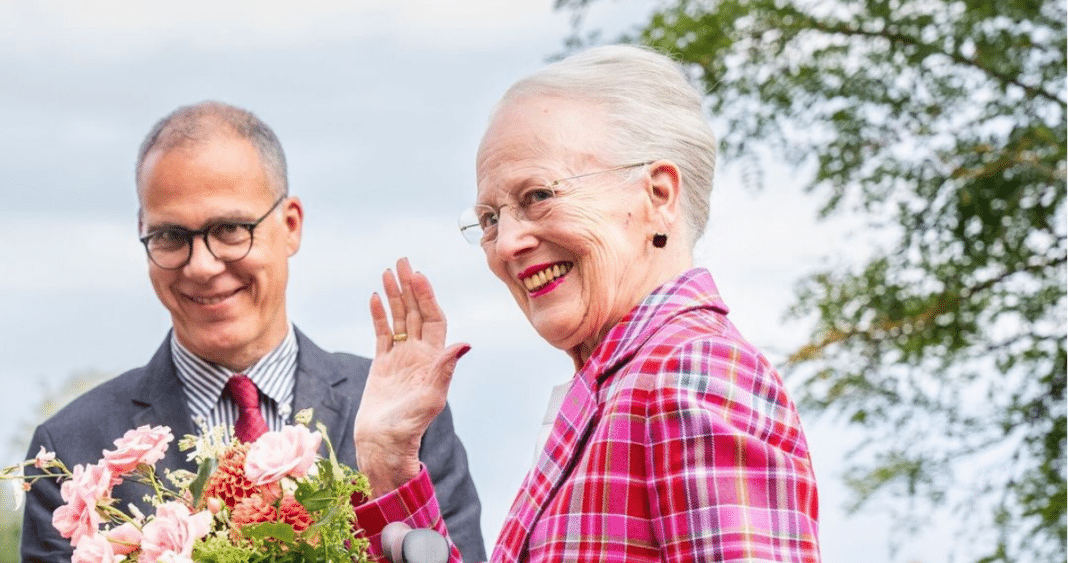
<point>462,351</point>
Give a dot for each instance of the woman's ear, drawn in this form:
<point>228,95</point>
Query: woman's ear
<point>664,192</point>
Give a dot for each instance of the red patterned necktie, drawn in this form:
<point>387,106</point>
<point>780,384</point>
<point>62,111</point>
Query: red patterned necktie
<point>250,424</point>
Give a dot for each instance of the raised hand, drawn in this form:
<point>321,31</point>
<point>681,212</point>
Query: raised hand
<point>408,382</point>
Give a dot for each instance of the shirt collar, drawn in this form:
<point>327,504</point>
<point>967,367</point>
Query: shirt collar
<point>274,374</point>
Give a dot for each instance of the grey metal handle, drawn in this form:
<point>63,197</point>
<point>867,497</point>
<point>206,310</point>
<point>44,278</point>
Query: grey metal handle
<point>402,544</point>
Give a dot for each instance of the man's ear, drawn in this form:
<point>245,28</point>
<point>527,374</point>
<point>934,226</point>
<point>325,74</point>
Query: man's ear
<point>293,218</point>
<point>664,192</point>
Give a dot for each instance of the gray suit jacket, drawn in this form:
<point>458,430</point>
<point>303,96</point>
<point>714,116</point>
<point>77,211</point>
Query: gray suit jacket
<point>331,384</point>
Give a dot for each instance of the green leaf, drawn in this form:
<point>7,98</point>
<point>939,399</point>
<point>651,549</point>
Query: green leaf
<point>204,471</point>
<point>315,500</point>
<point>279,531</point>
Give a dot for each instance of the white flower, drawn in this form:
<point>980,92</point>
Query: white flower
<point>210,444</point>
<point>17,490</point>
<point>170,556</point>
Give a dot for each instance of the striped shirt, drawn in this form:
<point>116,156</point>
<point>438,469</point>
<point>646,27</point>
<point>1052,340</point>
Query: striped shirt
<point>274,374</point>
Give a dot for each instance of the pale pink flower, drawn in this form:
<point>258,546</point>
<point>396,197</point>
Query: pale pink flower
<point>144,444</point>
<point>124,539</point>
<point>75,520</point>
<point>87,486</point>
<point>172,557</point>
<point>90,482</point>
<point>95,549</point>
<point>289,452</point>
<point>174,529</point>
<point>44,458</point>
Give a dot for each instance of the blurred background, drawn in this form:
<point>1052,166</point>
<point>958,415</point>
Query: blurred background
<point>888,221</point>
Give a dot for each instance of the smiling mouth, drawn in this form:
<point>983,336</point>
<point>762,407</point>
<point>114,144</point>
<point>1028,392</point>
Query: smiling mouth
<point>538,280</point>
<point>214,299</point>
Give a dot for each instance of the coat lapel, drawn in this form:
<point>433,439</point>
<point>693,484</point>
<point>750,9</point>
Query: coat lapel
<point>160,400</point>
<point>316,389</point>
<point>581,409</point>
<point>578,414</point>
<point>316,379</point>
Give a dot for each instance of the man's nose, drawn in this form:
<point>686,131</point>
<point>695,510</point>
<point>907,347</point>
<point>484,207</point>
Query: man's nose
<point>202,263</point>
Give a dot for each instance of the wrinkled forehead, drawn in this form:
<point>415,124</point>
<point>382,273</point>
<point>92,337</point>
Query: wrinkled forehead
<point>542,137</point>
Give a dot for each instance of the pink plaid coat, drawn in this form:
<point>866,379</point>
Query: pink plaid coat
<point>676,442</point>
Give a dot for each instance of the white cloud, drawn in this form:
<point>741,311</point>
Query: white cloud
<point>103,30</point>
<point>48,254</point>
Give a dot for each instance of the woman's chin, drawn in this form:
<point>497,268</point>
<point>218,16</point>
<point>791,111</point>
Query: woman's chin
<point>558,336</point>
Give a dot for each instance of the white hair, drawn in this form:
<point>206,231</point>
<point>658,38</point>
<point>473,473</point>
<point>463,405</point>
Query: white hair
<point>652,108</point>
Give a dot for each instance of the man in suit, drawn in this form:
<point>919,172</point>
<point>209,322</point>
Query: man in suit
<point>219,227</point>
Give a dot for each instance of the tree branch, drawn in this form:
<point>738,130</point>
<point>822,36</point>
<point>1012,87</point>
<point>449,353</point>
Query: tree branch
<point>902,39</point>
<point>810,351</point>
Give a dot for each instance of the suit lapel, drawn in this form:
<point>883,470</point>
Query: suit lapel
<point>160,400</point>
<point>315,389</point>
<point>316,379</point>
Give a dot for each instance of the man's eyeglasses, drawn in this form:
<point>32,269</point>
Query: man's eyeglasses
<point>478,224</point>
<point>171,248</point>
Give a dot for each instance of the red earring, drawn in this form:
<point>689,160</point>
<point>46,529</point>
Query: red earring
<point>659,240</point>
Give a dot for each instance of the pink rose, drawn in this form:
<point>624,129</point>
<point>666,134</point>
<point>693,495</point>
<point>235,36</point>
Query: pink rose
<point>75,520</point>
<point>278,454</point>
<point>87,486</point>
<point>124,539</point>
<point>44,458</point>
<point>95,549</point>
<point>173,530</point>
<point>144,445</point>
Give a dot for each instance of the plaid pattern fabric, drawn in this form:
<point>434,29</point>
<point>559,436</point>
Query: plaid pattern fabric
<point>676,442</point>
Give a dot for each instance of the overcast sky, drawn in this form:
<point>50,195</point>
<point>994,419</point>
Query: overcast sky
<point>380,105</point>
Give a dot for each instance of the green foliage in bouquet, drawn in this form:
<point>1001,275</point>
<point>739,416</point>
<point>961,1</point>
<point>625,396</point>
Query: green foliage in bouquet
<point>272,501</point>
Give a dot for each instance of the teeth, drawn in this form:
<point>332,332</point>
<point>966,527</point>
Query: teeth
<point>209,300</point>
<point>546,276</point>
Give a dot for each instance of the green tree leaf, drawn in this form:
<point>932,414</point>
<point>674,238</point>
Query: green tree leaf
<point>943,124</point>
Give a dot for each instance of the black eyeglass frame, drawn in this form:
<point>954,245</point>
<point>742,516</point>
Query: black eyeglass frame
<point>190,235</point>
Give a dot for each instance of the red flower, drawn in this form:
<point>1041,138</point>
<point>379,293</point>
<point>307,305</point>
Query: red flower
<point>294,514</point>
<point>229,483</point>
<point>253,510</point>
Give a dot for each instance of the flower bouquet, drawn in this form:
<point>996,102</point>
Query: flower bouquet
<point>273,500</point>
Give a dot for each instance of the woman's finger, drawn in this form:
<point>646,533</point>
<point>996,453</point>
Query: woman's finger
<point>413,318</point>
<point>433,318</point>
<point>396,303</point>
<point>383,334</point>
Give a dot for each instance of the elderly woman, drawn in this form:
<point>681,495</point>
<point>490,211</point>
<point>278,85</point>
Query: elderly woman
<point>676,440</point>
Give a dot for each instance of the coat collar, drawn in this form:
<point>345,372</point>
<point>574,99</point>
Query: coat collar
<point>316,382</point>
<point>155,401</point>
<point>581,408</point>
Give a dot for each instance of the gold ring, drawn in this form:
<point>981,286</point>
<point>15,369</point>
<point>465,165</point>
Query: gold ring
<point>400,337</point>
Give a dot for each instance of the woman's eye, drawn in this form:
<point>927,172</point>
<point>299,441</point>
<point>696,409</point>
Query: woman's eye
<point>536,195</point>
<point>487,219</point>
